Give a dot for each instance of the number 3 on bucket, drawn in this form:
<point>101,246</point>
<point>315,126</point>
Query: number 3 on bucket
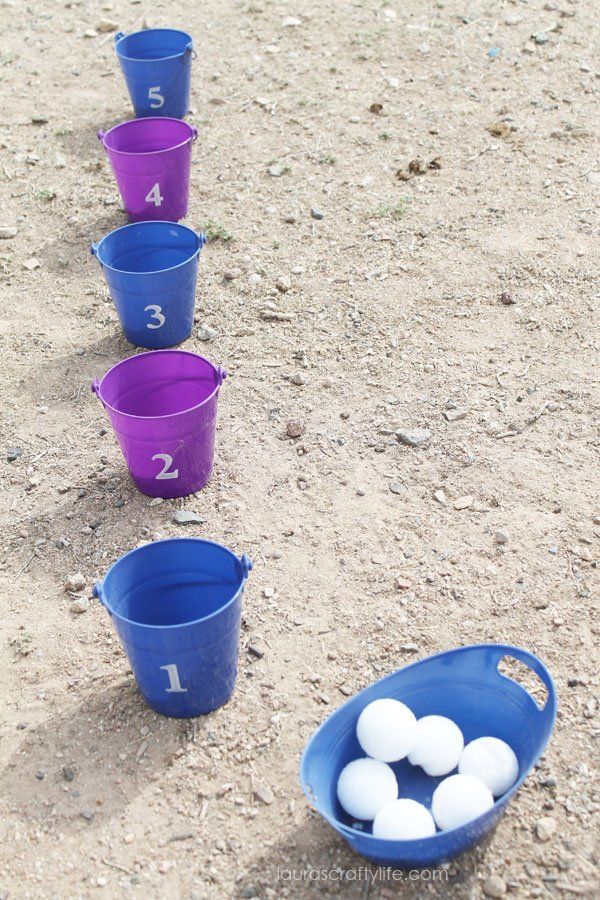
<point>174,682</point>
<point>154,195</point>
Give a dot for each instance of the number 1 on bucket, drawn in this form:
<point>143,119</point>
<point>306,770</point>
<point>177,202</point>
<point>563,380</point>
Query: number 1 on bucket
<point>154,196</point>
<point>164,472</point>
<point>154,94</point>
<point>174,682</point>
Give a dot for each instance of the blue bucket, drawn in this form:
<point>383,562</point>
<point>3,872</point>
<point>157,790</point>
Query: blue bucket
<point>464,685</point>
<point>176,606</point>
<point>151,270</point>
<point>157,65</point>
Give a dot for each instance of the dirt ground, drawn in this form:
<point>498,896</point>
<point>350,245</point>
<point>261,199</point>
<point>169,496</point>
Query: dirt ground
<point>447,149</point>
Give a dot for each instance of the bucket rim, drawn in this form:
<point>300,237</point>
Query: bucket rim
<point>154,30</point>
<point>147,119</point>
<point>200,240</point>
<point>219,373</point>
<point>100,585</point>
<point>439,837</point>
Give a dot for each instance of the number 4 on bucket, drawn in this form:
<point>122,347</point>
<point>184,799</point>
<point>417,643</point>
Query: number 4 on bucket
<point>154,195</point>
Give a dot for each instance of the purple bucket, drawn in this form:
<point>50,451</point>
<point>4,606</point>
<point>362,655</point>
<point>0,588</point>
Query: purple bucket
<point>151,159</point>
<point>162,406</point>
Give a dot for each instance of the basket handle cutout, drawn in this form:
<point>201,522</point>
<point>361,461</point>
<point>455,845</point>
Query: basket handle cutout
<point>518,671</point>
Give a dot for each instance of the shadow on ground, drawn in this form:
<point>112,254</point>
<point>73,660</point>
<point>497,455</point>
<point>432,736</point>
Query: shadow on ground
<point>312,860</point>
<point>88,763</point>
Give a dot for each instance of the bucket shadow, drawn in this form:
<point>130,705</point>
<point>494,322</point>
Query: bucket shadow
<point>69,254</point>
<point>88,763</point>
<point>82,143</point>
<point>314,846</point>
<point>68,378</point>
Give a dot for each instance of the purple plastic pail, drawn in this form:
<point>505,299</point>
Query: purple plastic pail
<point>151,159</point>
<point>163,409</point>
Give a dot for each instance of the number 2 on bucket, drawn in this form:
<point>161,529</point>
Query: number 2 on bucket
<point>156,314</point>
<point>155,95</point>
<point>168,462</point>
<point>174,682</point>
<point>154,195</point>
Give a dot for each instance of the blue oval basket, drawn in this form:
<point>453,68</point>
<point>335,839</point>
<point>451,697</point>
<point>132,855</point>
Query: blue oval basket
<point>464,685</point>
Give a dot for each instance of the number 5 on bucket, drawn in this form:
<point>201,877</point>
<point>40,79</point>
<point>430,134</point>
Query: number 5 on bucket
<point>156,97</point>
<point>154,195</point>
<point>174,682</point>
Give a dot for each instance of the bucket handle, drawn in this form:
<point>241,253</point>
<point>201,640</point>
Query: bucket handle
<point>190,49</point>
<point>536,665</point>
<point>118,36</point>
<point>95,389</point>
<point>101,134</point>
<point>246,564</point>
<point>194,134</point>
<point>201,238</point>
<point>97,592</point>
<point>94,248</point>
<point>221,375</point>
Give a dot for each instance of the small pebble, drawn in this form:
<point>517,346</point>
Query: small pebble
<point>186,517</point>
<point>506,299</point>
<point>413,437</point>
<point>454,415</point>
<point>79,606</point>
<point>264,794</point>
<point>317,214</point>
<point>68,773</point>
<point>494,886</point>
<point>440,497</point>
<point>87,814</point>
<point>283,284</point>
<point>206,333</point>
<point>39,119</point>
<point>501,536</point>
<point>298,379</point>
<point>13,453</point>
<point>7,233</point>
<point>545,828</point>
<point>294,428</point>
<point>463,502</point>
<point>75,583</point>
<point>396,487</point>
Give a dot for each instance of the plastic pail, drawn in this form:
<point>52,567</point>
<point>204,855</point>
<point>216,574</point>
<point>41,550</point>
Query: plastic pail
<point>157,65</point>
<point>176,606</point>
<point>151,270</point>
<point>464,685</point>
<point>162,406</point>
<point>151,159</point>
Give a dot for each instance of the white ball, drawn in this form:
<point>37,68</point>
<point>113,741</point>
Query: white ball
<point>386,730</point>
<point>403,820</point>
<point>492,761</point>
<point>365,786</point>
<point>460,799</point>
<point>439,745</point>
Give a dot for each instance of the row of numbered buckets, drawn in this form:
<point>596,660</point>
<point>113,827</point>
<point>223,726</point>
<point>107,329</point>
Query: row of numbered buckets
<point>161,405</point>
<point>175,604</point>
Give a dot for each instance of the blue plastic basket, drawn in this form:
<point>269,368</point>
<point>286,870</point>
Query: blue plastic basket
<point>464,685</point>
<point>176,606</point>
